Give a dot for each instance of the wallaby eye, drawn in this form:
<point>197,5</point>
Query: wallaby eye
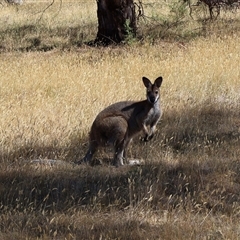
<point>156,92</point>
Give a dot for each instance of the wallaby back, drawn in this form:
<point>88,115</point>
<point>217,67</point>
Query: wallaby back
<point>118,123</point>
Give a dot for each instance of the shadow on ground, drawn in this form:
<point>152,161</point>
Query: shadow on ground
<point>156,184</point>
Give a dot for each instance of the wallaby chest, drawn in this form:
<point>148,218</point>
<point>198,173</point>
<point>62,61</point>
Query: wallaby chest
<point>152,116</point>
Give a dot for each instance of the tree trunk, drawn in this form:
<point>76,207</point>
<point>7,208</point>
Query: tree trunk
<point>116,21</point>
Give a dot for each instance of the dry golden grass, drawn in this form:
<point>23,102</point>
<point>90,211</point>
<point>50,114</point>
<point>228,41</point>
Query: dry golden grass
<point>189,187</point>
<point>48,99</point>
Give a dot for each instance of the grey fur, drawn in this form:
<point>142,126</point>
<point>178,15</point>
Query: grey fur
<point>117,124</point>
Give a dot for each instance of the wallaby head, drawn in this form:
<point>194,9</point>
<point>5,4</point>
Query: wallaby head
<point>120,122</point>
<point>152,89</point>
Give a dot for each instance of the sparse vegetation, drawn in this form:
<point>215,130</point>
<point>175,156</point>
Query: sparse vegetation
<point>52,87</point>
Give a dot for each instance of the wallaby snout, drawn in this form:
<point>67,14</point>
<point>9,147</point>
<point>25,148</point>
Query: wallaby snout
<point>120,122</point>
<point>152,99</point>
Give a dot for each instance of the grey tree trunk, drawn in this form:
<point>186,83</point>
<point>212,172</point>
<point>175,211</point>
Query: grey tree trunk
<point>116,20</point>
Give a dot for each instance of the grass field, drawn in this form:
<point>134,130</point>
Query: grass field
<point>52,86</point>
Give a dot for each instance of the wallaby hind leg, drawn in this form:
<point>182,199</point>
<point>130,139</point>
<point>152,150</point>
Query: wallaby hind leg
<point>121,151</point>
<point>119,154</point>
<point>126,148</point>
<point>117,136</point>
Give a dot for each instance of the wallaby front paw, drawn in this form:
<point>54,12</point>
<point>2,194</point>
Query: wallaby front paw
<point>146,138</point>
<point>143,139</point>
<point>150,137</point>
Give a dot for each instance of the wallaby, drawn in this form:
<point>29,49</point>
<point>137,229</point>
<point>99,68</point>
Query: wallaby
<point>120,122</point>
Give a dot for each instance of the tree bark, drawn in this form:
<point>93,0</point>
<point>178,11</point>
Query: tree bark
<point>116,20</point>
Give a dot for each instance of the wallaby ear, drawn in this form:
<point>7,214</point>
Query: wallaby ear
<point>158,82</point>
<point>147,82</point>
